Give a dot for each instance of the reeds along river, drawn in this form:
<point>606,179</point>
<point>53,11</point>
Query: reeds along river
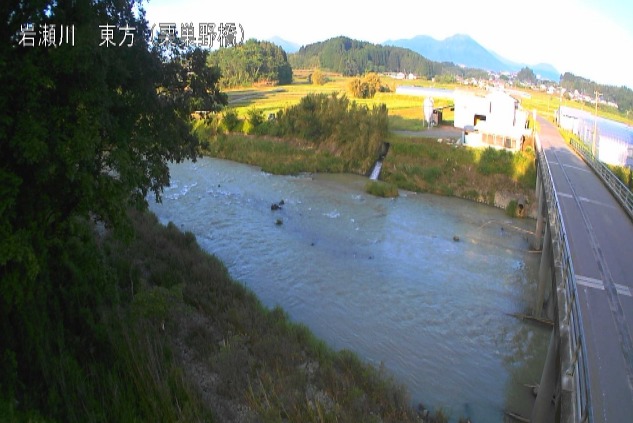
<point>381,277</point>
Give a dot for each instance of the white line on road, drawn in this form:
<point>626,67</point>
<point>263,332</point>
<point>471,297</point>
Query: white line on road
<point>586,200</point>
<point>598,284</point>
<point>589,282</point>
<point>582,169</point>
<point>623,290</point>
<point>597,203</point>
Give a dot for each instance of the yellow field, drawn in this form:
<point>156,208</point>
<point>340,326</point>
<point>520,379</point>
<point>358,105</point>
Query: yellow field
<point>405,112</point>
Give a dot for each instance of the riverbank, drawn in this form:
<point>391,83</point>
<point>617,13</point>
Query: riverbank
<point>240,361</point>
<point>419,164</point>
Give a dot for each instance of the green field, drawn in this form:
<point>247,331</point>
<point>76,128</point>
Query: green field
<point>405,112</point>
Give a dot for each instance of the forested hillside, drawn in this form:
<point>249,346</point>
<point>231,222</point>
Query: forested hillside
<point>622,96</point>
<point>251,63</point>
<point>353,57</point>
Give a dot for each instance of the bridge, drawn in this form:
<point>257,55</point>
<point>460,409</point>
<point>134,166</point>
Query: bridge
<point>585,232</point>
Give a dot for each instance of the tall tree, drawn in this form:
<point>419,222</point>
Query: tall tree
<point>254,61</point>
<point>527,75</point>
<point>90,119</point>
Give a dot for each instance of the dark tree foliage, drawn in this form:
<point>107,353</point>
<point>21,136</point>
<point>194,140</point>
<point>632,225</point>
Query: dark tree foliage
<point>353,57</point>
<point>622,96</point>
<point>527,75</point>
<point>335,124</point>
<point>253,62</point>
<point>85,132</point>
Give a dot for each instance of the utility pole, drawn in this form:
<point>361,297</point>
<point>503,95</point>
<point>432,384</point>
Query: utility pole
<point>595,128</point>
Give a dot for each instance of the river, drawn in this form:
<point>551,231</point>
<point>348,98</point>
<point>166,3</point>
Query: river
<point>382,277</point>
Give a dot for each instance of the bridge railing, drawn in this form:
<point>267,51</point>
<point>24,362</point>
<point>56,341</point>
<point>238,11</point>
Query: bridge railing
<point>578,366</point>
<point>615,185</point>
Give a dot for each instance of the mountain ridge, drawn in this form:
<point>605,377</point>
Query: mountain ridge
<point>354,57</point>
<point>288,46</point>
<point>464,50</point>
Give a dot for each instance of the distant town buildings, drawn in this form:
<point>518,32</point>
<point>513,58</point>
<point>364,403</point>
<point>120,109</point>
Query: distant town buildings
<point>401,75</point>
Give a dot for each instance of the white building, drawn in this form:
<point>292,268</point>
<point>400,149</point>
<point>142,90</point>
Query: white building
<point>491,121</point>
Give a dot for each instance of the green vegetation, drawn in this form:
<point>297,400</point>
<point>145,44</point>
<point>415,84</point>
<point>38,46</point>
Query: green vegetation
<point>512,208</point>
<point>86,133</point>
<point>428,166</point>
<point>249,356</point>
<point>352,57</point>
<point>527,75</point>
<point>317,77</point>
<point>254,62</point>
<point>622,96</point>
<point>274,155</point>
<point>322,133</point>
<point>366,87</point>
<point>624,174</point>
<point>169,336</point>
<point>381,189</point>
<point>404,112</point>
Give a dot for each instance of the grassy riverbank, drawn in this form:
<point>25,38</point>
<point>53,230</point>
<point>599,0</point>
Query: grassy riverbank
<point>494,177</point>
<point>483,175</point>
<point>174,338</point>
<point>239,358</point>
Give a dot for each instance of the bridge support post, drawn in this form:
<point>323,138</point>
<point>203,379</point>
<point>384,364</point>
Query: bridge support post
<point>544,409</point>
<point>540,215</point>
<point>545,272</point>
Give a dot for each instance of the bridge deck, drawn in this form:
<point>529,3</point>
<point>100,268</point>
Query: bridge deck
<point>601,241</point>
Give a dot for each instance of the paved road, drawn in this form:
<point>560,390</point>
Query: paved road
<point>601,242</point>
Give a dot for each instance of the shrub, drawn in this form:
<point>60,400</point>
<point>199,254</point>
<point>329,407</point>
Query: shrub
<point>431,174</point>
<point>254,119</point>
<point>317,77</point>
<point>333,123</point>
<point>230,120</point>
<point>365,88</point>
<point>624,174</point>
<point>494,161</point>
<point>356,88</point>
<point>511,208</point>
<point>381,189</point>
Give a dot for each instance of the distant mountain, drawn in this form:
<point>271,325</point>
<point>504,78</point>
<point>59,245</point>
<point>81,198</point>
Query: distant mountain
<point>353,57</point>
<point>546,71</point>
<point>463,50</point>
<point>288,46</point>
<point>459,49</point>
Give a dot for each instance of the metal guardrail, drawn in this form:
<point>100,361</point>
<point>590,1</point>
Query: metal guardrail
<point>621,191</point>
<point>578,369</point>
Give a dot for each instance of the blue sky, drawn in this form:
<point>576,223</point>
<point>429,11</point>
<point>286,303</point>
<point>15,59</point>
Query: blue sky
<point>589,38</point>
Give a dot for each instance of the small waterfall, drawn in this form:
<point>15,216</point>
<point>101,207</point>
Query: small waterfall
<point>384,149</point>
<point>376,172</point>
